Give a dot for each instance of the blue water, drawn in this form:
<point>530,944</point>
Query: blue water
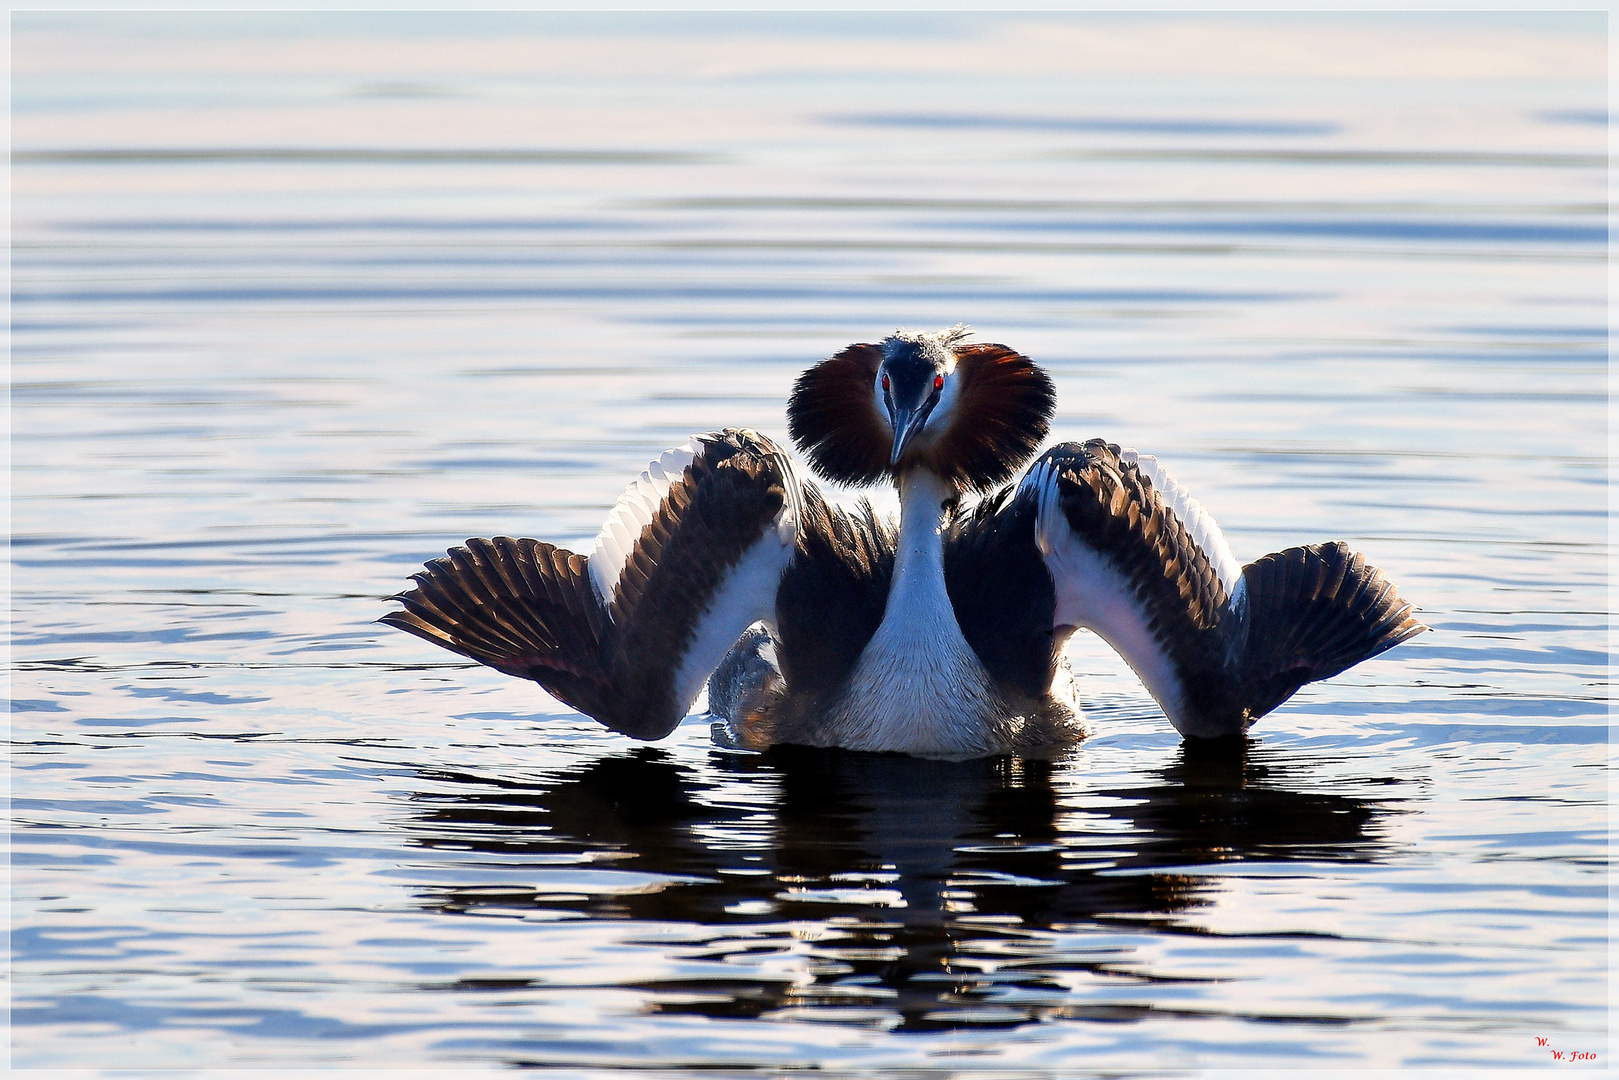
<point>300,300</point>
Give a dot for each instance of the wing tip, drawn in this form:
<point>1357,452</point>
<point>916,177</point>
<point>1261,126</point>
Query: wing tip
<point>1319,609</point>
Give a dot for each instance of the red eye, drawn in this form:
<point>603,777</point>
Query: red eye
<point>885,381</point>
<point>938,382</point>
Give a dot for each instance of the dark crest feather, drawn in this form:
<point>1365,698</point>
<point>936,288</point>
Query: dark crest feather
<point>1001,417</point>
<point>832,417</point>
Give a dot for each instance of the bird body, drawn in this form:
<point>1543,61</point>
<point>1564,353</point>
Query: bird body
<point>817,625</point>
<point>918,686</point>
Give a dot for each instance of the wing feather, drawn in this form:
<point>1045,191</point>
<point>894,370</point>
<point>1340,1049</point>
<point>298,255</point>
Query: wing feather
<point>1199,523</point>
<point>1133,557</point>
<point>1125,566</point>
<point>633,511</point>
<point>692,554</point>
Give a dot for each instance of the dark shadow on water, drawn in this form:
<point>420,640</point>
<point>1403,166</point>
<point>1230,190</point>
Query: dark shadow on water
<point>941,895</point>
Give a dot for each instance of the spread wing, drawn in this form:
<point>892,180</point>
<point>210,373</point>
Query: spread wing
<point>1133,557</point>
<point>693,553</point>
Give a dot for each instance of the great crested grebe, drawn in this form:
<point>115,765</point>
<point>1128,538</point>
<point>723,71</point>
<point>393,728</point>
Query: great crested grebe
<point>943,638</point>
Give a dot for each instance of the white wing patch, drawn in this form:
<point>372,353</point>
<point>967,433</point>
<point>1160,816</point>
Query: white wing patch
<point>631,514</point>
<point>746,596</point>
<point>1040,483</point>
<point>1198,522</point>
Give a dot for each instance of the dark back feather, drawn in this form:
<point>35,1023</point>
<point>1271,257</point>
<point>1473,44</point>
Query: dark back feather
<point>833,596</point>
<point>1001,591</point>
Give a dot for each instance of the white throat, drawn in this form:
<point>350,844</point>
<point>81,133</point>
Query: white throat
<point>918,686</point>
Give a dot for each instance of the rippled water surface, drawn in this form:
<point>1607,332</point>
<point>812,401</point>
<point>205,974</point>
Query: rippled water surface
<point>299,301</point>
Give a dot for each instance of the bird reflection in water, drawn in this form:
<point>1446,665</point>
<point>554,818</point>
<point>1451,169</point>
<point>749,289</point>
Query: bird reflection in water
<point>933,895</point>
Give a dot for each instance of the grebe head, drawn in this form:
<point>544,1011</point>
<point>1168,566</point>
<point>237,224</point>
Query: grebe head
<point>911,383</point>
<point>972,413</point>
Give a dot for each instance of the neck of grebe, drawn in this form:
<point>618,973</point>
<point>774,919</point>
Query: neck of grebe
<point>917,594</point>
<point>919,688</point>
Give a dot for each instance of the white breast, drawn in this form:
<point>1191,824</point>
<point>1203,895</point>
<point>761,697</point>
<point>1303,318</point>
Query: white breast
<point>918,688</point>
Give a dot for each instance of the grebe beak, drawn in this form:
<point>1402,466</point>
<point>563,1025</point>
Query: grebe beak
<point>907,422</point>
